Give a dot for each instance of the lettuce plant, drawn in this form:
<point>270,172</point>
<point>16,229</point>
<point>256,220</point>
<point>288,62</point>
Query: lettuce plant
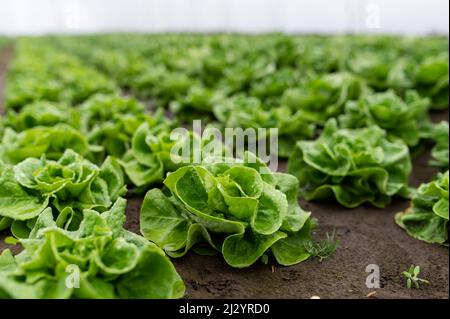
<point>439,153</point>
<point>241,111</point>
<point>99,260</point>
<point>381,69</point>
<point>353,166</point>
<point>197,103</point>
<point>153,153</point>
<point>404,118</point>
<point>240,209</point>
<point>431,80</point>
<point>42,113</point>
<point>324,97</point>
<point>37,141</point>
<point>41,72</point>
<point>69,185</point>
<point>427,217</point>
<point>111,120</point>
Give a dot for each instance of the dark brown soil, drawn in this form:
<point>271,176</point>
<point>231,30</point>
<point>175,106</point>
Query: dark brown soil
<point>367,236</point>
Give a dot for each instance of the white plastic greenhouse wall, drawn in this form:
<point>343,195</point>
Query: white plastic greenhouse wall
<point>322,16</point>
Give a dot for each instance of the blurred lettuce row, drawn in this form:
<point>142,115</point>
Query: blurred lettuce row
<point>428,74</point>
<point>103,125</point>
<point>237,208</point>
<point>98,260</point>
<point>427,217</point>
<point>317,74</point>
<point>439,153</point>
<point>41,72</point>
<point>67,185</point>
<point>352,166</point>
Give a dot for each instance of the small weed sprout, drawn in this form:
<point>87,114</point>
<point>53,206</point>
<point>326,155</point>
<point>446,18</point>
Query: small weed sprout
<point>412,279</point>
<point>325,248</point>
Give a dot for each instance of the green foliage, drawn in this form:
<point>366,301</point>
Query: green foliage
<point>239,209</point>
<point>354,166</point>
<point>99,260</point>
<point>427,217</point>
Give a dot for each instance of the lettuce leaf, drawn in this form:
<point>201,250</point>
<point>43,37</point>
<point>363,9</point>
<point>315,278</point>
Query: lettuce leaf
<point>42,113</point>
<point>427,217</point>
<point>439,153</point>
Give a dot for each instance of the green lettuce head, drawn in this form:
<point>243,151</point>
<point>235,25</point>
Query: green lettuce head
<point>69,185</point>
<point>241,210</point>
<point>153,153</point>
<point>353,166</point>
<point>245,112</point>
<point>111,120</point>
<point>431,80</point>
<point>100,260</point>
<point>325,96</point>
<point>404,118</point>
<point>37,141</point>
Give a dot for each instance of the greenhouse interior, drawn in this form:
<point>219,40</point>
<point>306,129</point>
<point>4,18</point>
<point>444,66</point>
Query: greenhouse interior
<point>225,150</point>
